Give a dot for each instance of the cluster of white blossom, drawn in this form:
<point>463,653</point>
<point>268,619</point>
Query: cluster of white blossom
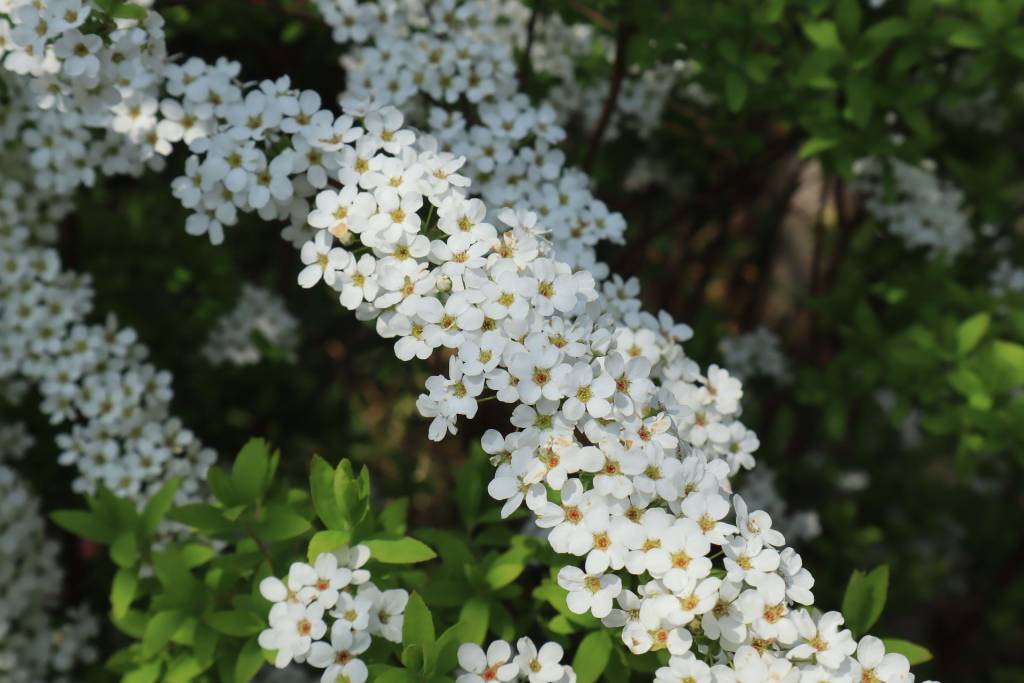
<point>34,644</point>
<point>529,664</point>
<point>755,354</point>
<point>15,441</point>
<point>643,95</point>
<point>1007,278</point>
<point>916,205</point>
<point>456,61</point>
<point>327,613</point>
<point>92,377</point>
<point>259,319</point>
<point>610,416</point>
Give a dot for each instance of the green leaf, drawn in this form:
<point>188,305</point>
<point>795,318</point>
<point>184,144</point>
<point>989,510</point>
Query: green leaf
<point>321,485</point>
<point>393,517</point>
<point>823,34</point>
<point>250,469</point>
<point>475,617</point>
<point>123,590</point>
<point>279,523</point>
<point>448,646</point>
<point>159,630</point>
<point>327,542</point>
<point>859,99</point>
<point>915,653</point>
<point>396,675</point>
<point>183,669</point>
<point>124,551</point>
<point>1010,355</point>
<point>406,550</point>
<point>206,639</point>
<point>351,493</point>
<point>418,630</point>
<point>221,486</point>
<point>848,16</point>
<point>967,36</point>
<point>200,516</point>
<point>158,506</point>
<point>129,11</point>
<point>972,387</point>
<point>735,91</point>
<point>592,656</point>
<point>888,29</point>
<point>250,661</point>
<point>816,146</point>
<point>506,568</point>
<point>865,599</point>
<point>85,524</point>
<point>235,623</point>
<point>971,331</point>
<point>147,673</point>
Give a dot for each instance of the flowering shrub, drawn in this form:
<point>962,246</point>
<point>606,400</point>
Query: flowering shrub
<point>610,523</point>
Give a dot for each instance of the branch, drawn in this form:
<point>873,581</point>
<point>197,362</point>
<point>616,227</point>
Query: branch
<point>592,14</point>
<point>525,65</point>
<point>618,73</point>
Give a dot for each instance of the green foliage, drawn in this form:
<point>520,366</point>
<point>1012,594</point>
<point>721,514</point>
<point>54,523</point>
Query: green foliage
<point>186,589</point>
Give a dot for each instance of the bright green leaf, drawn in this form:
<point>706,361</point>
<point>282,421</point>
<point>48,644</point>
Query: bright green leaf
<point>592,656</point>
<point>279,523</point>
<point>147,673</point>
<point>418,630</point>
<point>406,550</point>
<point>915,653</point>
<point>159,630</point>
<point>865,599</point>
<point>823,34</point>
<point>250,661</point>
<point>971,331</point>
<point>84,524</point>
<point>123,590</point>
<point>235,623</point>
<point>158,506</point>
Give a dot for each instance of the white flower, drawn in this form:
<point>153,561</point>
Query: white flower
<point>539,666</point>
<point>872,663</point>
<point>322,261</point>
<point>589,592</point>
<point>494,665</point>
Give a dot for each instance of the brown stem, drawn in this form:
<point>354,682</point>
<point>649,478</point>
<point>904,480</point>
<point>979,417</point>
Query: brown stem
<point>592,14</point>
<point>525,65</point>
<point>618,73</point>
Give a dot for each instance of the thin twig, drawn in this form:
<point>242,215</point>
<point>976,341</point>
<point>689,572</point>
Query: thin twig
<point>592,14</point>
<point>618,73</point>
<point>525,66</point>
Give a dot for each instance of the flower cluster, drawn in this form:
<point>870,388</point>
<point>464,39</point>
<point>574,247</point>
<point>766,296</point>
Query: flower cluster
<point>529,664</point>
<point>34,646</point>
<point>258,320</point>
<point>15,441</point>
<point>327,613</point>
<point>755,354</point>
<point>1006,278</point>
<point>86,94</point>
<point>916,205</point>
<point>457,62</point>
<point>621,445</point>
<point>93,377</point>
